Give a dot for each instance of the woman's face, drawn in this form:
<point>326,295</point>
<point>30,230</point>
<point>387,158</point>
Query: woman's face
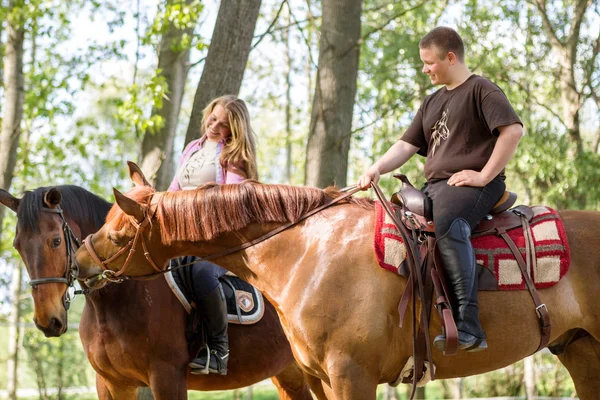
<point>217,125</point>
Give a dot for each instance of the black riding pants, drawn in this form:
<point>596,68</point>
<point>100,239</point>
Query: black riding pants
<point>202,277</point>
<point>453,202</point>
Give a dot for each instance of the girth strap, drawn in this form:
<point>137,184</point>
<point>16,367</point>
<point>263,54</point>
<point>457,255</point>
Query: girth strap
<point>421,341</point>
<point>540,308</point>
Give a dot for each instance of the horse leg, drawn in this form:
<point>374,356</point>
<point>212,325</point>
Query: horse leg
<point>582,360</point>
<point>168,382</point>
<point>108,391</point>
<point>317,386</point>
<point>291,383</point>
<point>352,381</point>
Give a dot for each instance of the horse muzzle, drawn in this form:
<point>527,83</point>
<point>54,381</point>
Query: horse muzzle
<point>81,268</point>
<point>95,282</point>
<point>55,328</point>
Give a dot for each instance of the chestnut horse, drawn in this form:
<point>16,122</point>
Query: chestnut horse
<point>133,333</point>
<point>338,308</point>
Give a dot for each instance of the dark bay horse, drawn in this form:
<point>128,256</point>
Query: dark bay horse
<point>133,333</point>
<point>338,308</point>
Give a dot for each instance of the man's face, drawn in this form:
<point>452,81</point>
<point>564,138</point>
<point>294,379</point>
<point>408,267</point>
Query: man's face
<point>434,66</point>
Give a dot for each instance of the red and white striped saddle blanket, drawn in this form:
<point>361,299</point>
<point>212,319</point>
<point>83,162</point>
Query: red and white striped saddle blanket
<point>491,251</point>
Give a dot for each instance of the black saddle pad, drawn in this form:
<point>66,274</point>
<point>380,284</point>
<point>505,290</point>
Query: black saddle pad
<point>245,304</point>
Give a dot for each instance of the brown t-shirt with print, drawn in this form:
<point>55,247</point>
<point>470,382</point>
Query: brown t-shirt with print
<point>457,129</point>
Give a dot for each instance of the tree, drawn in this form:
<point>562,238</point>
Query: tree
<point>15,332</point>
<point>14,95</point>
<point>177,25</point>
<point>226,59</point>
<point>335,89</point>
<point>565,46</point>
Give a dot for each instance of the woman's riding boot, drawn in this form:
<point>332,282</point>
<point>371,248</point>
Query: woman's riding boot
<point>214,310</point>
<point>460,266</point>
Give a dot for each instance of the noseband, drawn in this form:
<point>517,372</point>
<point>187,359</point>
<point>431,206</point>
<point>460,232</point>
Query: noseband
<point>71,245</point>
<point>118,276</point>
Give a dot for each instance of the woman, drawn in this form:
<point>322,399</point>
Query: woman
<point>225,153</point>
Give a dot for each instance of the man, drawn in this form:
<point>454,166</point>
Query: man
<point>468,131</point>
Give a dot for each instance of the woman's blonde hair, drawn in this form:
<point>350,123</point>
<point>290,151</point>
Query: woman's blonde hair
<point>240,146</point>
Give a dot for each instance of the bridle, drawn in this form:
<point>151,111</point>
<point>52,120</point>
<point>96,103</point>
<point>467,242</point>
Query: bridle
<point>71,245</point>
<point>119,276</point>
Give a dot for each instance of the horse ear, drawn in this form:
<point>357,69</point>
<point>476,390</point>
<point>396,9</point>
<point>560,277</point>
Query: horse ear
<point>52,198</point>
<point>129,206</point>
<point>136,174</point>
<point>9,200</point>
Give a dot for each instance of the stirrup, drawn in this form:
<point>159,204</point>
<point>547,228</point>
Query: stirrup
<point>201,370</point>
<point>479,344</point>
<point>221,370</point>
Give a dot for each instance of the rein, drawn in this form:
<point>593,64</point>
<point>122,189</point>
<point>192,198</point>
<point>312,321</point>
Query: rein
<point>120,276</point>
<point>71,245</point>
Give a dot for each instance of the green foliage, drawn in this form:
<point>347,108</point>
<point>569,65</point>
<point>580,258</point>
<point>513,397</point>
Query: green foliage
<point>181,15</point>
<point>57,363</point>
<point>132,111</point>
<point>549,176</point>
<point>552,379</point>
<point>391,85</point>
<point>503,382</point>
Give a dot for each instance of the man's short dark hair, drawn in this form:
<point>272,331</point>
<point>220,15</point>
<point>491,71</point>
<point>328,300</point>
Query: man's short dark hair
<point>445,40</point>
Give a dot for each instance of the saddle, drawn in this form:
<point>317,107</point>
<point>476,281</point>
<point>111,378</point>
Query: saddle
<point>418,209</point>
<point>413,217</point>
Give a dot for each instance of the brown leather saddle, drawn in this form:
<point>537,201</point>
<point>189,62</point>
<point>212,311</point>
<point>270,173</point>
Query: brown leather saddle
<point>413,216</point>
<point>418,210</point>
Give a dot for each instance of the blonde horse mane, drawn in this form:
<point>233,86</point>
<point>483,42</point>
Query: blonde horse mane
<point>211,210</point>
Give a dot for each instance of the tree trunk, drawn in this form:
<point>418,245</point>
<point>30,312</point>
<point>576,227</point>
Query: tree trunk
<point>529,377</point>
<point>457,388</point>
<point>310,27</point>
<point>335,89</point>
<point>566,51</point>
<point>226,59</point>
<point>13,104</point>
<point>570,99</point>
<point>14,332</point>
<point>288,100</point>
<point>157,146</point>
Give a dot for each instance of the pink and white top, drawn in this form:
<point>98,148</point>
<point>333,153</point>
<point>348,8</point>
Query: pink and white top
<point>200,164</point>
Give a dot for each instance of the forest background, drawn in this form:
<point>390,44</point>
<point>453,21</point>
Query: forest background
<point>331,84</point>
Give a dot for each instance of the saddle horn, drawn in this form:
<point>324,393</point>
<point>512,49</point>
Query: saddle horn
<point>412,199</point>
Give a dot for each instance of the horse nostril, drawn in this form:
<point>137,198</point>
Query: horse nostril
<point>55,328</point>
<point>56,323</point>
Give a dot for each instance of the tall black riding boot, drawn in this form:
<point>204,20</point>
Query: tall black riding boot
<point>214,310</point>
<point>461,270</point>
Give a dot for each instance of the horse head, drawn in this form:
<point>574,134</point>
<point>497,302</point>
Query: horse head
<point>120,249</point>
<point>44,241</point>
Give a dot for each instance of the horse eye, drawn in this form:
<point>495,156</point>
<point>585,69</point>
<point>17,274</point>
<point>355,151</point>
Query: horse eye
<point>56,242</point>
<point>114,240</point>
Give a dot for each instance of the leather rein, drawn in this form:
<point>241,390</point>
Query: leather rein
<point>119,276</point>
<point>71,245</point>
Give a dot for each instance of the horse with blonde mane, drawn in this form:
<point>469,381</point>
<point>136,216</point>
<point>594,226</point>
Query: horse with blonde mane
<point>133,334</point>
<point>337,307</point>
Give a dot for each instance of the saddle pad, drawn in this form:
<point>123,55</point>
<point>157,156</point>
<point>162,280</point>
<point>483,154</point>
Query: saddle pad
<point>491,251</point>
<point>245,304</point>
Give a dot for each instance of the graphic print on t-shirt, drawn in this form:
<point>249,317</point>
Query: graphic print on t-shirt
<point>440,131</point>
<point>200,167</point>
